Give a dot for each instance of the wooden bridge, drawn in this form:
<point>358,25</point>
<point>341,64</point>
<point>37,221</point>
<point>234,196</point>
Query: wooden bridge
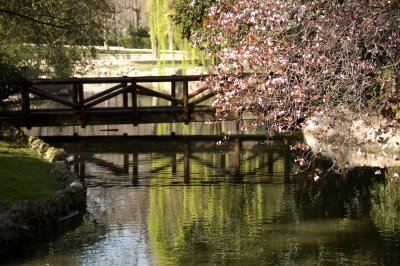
<point>182,102</point>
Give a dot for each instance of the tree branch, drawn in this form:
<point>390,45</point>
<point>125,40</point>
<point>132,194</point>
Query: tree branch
<point>392,65</point>
<point>12,13</point>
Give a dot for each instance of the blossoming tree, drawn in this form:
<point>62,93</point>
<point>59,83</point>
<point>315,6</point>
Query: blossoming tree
<point>285,61</point>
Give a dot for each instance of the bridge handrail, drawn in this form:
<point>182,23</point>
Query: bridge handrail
<point>95,80</point>
<point>125,85</point>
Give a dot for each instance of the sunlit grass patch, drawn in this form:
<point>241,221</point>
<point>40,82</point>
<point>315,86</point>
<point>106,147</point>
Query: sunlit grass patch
<point>24,175</point>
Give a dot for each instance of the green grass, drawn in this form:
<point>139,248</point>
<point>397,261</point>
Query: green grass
<point>24,176</point>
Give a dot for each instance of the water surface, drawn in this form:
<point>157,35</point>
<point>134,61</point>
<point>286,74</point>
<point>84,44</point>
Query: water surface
<point>183,202</point>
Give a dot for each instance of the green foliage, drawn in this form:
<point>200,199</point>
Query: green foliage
<point>44,35</point>
<point>385,210</point>
<point>189,14</point>
<point>138,43</point>
<point>24,176</point>
<point>10,79</point>
<point>138,31</point>
<point>388,100</point>
<point>137,37</point>
<point>164,33</point>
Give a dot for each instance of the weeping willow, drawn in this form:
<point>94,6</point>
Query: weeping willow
<point>166,37</point>
<point>190,224</point>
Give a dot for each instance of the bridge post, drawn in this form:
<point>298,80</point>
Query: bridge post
<point>186,113</point>
<point>26,104</point>
<point>75,92</point>
<point>134,105</point>
<point>81,105</point>
<point>125,95</point>
<point>173,91</point>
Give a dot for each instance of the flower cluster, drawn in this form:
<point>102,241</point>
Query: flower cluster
<point>287,60</point>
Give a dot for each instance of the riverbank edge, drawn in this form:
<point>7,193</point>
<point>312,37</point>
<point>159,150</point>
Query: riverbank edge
<point>28,221</point>
<point>355,142</point>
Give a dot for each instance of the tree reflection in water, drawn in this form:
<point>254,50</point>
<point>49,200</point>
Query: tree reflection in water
<point>197,203</point>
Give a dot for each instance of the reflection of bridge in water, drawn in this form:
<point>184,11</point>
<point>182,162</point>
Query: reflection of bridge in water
<point>177,98</point>
<point>236,161</point>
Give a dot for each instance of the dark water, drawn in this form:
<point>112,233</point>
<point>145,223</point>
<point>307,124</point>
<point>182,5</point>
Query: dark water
<point>182,202</point>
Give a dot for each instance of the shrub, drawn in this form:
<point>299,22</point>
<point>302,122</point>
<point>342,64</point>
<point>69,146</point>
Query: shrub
<point>10,79</point>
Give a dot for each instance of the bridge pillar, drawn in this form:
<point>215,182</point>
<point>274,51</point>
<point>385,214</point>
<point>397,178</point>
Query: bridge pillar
<point>173,92</point>
<point>134,104</point>
<point>186,113</point>
<point>75,92</point>
<point>26,105</point>
<point>125,95</point>
<point>81,105</point>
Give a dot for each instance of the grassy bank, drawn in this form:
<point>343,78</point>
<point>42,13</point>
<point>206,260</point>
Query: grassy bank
<point>24,175</point>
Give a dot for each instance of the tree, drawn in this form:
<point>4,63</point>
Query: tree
<point>49,32</point>
<point>49,36</point>
<point>285,61</point>
<point>10,79</point>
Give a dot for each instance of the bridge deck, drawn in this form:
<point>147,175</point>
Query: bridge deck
<point>108,116</point>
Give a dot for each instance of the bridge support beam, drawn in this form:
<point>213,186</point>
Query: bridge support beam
<point>186,113</point>
<point>26,106</point>
<point>134,105</point>
<point>81,105</point>
<point>125,95</point>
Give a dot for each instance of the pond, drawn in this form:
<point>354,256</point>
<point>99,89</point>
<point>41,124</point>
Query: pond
<point>179,201</point>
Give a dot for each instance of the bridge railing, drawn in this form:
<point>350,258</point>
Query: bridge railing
<point>128,87</point>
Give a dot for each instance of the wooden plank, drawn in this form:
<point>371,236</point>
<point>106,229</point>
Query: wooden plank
<point>197,92</point>
<point>203,98</point>
<point>148,92</point>
<point>170,78</point>
<point>105,92</point>
<point>106,97</point>
<point>116,79</point>
<point>49,96</point>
